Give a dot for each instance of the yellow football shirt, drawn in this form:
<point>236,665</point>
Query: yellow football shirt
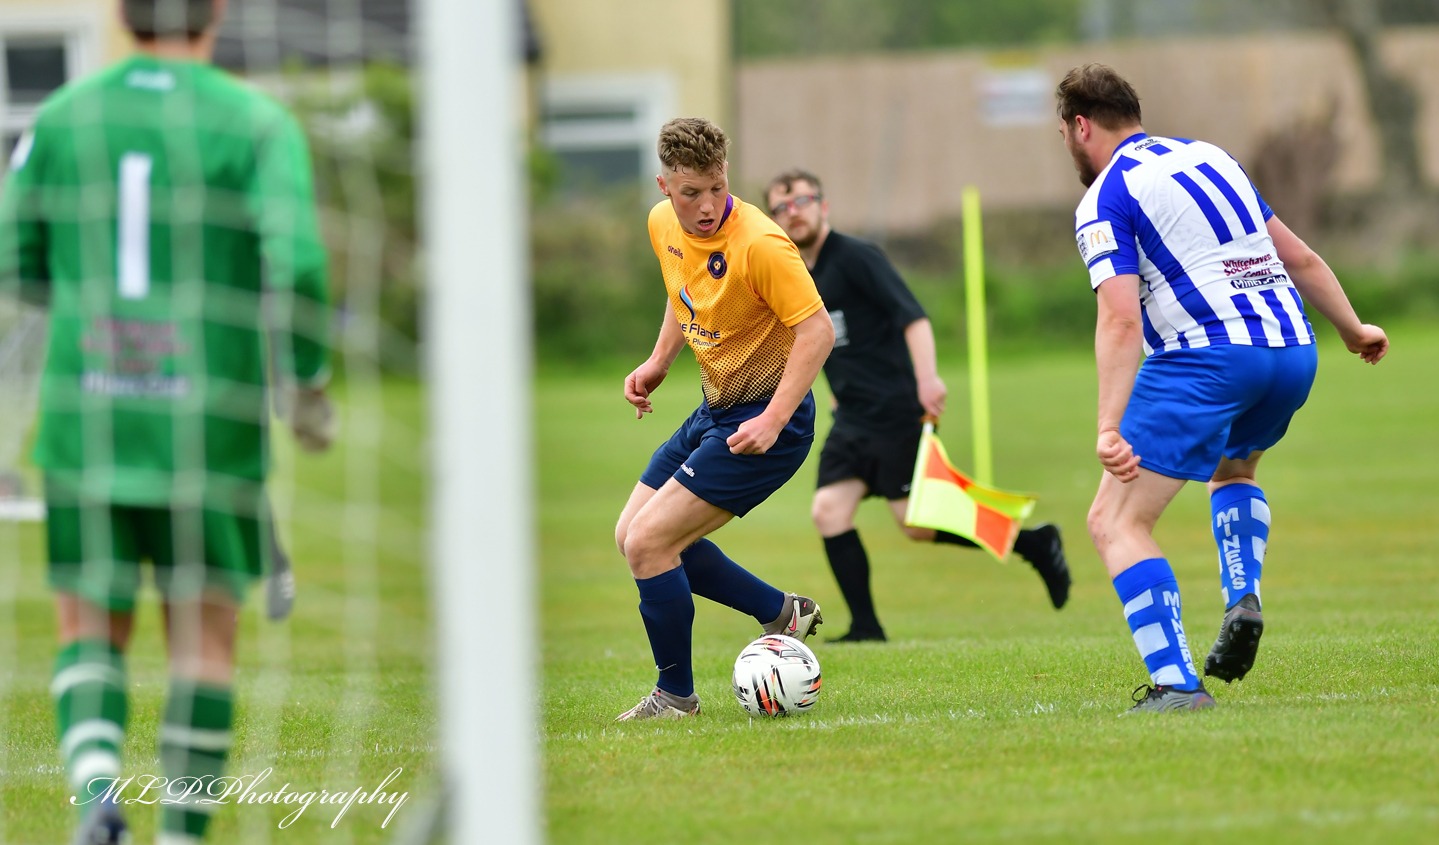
<point>737,295</point>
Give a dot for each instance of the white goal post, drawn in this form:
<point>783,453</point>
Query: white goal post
<point>479,350</point>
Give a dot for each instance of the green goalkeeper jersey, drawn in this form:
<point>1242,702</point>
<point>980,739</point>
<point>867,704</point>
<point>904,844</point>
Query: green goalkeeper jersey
<point>166,211</point>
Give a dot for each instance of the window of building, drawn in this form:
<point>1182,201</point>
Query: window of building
<point>602,128</point>
<point>41,49</point>
<point>35,68</point>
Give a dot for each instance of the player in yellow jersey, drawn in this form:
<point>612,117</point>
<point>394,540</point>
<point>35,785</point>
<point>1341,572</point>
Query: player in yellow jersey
<point>741,298</point>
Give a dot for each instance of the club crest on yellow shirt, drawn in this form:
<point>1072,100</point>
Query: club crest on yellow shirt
<point>717,265</point>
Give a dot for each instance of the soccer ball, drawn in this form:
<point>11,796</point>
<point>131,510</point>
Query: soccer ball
<point>775,676</point>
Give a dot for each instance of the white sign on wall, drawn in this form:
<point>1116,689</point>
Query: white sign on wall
<point>1021,96</point>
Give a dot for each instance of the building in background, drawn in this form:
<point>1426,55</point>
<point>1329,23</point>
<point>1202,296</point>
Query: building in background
<point>46,43</point>
<point>610,74</point>
<point>898,135</point>
<point>267,35</point>
<point>896,132</point>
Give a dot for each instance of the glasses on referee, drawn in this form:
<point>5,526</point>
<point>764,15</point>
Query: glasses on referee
<point>798,203</point>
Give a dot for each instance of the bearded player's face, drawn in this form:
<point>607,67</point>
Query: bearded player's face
<point>1075,144</point>
<point>800,210</point>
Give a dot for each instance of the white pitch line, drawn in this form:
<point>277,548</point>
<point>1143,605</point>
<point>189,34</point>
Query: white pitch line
<point>813,722</point>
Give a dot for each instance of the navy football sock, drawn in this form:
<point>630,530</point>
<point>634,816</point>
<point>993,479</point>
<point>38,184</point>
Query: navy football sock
<point>714,576</point>
<point>668,610</point>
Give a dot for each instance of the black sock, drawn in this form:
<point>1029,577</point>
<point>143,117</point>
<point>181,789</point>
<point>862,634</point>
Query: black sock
<point>851,571</point>
<point>954,539</point>
<point>1029,544</point>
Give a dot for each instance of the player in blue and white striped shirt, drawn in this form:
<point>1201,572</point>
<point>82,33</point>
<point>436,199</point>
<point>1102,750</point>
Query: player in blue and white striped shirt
<point>1190,264</point>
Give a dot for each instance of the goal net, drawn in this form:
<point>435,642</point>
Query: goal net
<point>22,352</point>
<point>337,734</point>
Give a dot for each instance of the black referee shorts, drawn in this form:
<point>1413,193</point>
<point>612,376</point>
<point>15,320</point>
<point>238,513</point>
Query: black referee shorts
<point>884,462</point>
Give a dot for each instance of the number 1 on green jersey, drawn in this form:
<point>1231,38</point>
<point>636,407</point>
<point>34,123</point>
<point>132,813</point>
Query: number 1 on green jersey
<point>134,235</point>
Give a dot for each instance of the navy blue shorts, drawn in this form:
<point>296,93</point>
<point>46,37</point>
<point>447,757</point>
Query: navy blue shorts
<point>698,457</point>
<point>1191,407</point>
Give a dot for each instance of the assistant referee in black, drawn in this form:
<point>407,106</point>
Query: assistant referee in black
<point>884,378</point>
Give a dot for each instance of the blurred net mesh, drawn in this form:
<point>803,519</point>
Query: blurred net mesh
<point>334,697</point>
<point>22,352</point>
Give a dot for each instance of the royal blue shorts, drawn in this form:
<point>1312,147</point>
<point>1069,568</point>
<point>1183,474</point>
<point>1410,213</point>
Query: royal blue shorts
<point>1191,407</point>
<point>698,457</point>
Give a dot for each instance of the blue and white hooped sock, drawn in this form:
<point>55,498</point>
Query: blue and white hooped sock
<point>1241,529</point>
<point>1151,606</point>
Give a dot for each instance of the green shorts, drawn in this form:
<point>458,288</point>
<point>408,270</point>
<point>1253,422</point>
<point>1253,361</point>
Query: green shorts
<point>96,551</point>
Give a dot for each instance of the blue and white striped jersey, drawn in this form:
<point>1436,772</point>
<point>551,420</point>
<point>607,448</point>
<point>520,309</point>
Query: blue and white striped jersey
<point>1184,217</point>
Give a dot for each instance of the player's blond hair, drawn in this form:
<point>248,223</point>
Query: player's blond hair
<point>694,144</point>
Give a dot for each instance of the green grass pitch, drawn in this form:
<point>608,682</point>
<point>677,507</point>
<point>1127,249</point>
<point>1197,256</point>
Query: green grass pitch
<point>988,717</point>
<point>335,699</point>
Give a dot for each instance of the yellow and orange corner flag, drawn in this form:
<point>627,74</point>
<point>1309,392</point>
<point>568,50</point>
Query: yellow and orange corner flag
<point>943,498</point>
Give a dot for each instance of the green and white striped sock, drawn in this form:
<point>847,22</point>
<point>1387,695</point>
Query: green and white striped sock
<point>88,688</point>
<point>194,742</point>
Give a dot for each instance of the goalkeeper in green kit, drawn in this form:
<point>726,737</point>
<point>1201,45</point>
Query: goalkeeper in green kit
<point>165,213</point>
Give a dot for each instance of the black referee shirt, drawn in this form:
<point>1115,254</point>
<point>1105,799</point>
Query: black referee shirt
<point>869,371</point>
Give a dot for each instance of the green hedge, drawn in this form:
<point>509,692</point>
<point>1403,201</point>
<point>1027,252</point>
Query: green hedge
<point>599,296</point>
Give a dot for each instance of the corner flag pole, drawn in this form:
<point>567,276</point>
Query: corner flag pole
<point>978,340</point>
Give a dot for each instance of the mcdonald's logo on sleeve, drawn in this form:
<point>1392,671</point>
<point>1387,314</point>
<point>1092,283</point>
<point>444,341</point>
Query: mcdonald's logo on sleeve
<point>1095,240</point>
